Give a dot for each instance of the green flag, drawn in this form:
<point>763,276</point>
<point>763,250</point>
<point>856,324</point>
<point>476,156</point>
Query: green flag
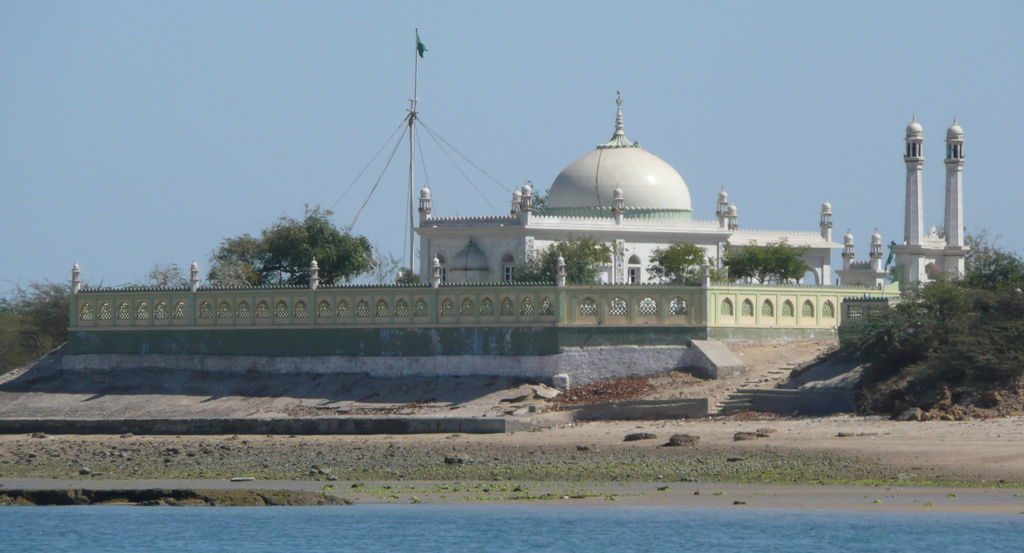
<point>420,48</point>
<point>892,251</point>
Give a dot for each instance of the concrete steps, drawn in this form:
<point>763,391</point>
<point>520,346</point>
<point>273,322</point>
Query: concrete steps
<point>815,402</point>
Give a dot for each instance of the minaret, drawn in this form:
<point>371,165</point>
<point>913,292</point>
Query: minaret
<point>426,205</point>
<point>954,220</point>
<point>848,251</point>
<point>722,209</point>
<point>826,221</point>
<point>876,252</point>
<point>913,226</point>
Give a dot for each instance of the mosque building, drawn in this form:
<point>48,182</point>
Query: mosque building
<point>627,197</point>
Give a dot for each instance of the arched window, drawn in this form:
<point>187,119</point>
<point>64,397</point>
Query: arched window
<point>106,312</point>
<point>618,307</point>
<point>467,309</point>
<point>828,311</point>
<point>648,306</point>
<point>85,312</point>
<point>767,309</point>
<point>526,307</point>
<point>547,307</point>
<point>747,308</point>
<point>160,311</point>
<point>787,309</point>
<point>281,310</point>
<point>344,310</point>
<point>420,309</point>
<point>362,309</point>
<point>677,306</point>
<point>486,307</point>
<point>401,308</point>
<point>507,308</point>
<point>205,310</point>
<point>124,313</point>
<point>382,309</point>
<point>727,307</point>
<point>301,311</point>
<point>323,310</point>
<point>447,309</point>
<point>262,310</point>
<point>807,310</point>
<point>508,264</point>
<point>223,310</point>
<point>142,311</point>
<point>634,269</point>
<point>243,312</point>
<point>588,307</point>
<point>180,311</point>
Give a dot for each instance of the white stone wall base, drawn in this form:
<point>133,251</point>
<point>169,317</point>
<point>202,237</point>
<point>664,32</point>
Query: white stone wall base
<point>582,365</point>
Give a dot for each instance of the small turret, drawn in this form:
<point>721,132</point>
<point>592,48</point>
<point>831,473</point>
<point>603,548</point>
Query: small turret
<point>618,205</point>
<point>876,252</point>
<point>826,221</point>
<point>76,278</point>
<point>525,203</point>
<point>734,217</point>
<point>435,273</point>
<point>426,205</point>
<point>560,273</point>
<point>314,275</point>
<point>517,200</point>
<point>193,278</point>
<point>848,250</point>
<point>722,209</point>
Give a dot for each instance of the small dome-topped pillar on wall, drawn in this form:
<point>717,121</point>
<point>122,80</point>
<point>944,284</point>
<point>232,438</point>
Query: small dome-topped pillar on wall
<point>826,221</point>
<point>314,275</point>
<point>193,277</point>
<point>76,278</point>
<point>618,205</point>
<point>876,252</point>
<point>722,209</point>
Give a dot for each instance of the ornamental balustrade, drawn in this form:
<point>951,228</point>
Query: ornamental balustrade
<point>464,305</point>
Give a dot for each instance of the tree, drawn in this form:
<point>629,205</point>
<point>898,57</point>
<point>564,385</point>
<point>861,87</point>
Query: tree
<point>407,276</point>
<point>167,275</point>
<point>989,267</point>
<point>584,259</point>
<point>678,263</point>
<point>282,253</point>
<point>776,262</point>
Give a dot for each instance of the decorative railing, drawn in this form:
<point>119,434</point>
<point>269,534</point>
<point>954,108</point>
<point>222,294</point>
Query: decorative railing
<point>463,304</point>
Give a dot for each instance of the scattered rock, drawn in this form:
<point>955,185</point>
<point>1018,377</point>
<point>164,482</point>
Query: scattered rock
<point>84,471</point>
<point>912,414</point>
<point>639,436</point>
<point>582,448</point>
<point>739,436</point>
<point>735,459</point>
<point>454,460</point>
<point>663,488</point>
<point>990,399</point>
<point>546,392</point>
<point>682,439</point>
<point>764,432</point>
<point>40,435</point>
<point>127,435</point>
<point>738,502</point>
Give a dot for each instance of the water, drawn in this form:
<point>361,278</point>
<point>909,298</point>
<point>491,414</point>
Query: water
<point>497,528</point>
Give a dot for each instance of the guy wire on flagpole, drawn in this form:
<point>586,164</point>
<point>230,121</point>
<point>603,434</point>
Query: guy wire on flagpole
<point>412,138</point>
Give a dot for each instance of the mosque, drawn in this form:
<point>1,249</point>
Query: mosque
<point>625,196</point>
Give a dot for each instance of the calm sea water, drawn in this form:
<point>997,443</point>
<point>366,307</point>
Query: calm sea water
<point>498,528</point>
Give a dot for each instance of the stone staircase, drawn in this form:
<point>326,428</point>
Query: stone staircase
<point>814,402</point>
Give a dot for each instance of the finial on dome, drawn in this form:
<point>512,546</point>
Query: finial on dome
<point>618,114</point>
<point>619,139</point>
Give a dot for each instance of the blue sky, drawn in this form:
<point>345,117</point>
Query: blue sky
<point>137,133</point>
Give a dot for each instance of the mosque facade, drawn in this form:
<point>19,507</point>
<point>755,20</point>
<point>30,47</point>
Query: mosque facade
<point>631,199</point>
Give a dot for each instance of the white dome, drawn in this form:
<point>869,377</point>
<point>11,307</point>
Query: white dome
<point>954,130</point>
<point>645,179</point>
<point>914,128</point>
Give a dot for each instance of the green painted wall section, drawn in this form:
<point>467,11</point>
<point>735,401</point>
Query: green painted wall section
<point>321,341</point>
<point>739,333</point>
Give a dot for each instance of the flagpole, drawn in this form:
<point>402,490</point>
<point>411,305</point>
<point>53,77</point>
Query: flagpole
<point>412,140</point>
